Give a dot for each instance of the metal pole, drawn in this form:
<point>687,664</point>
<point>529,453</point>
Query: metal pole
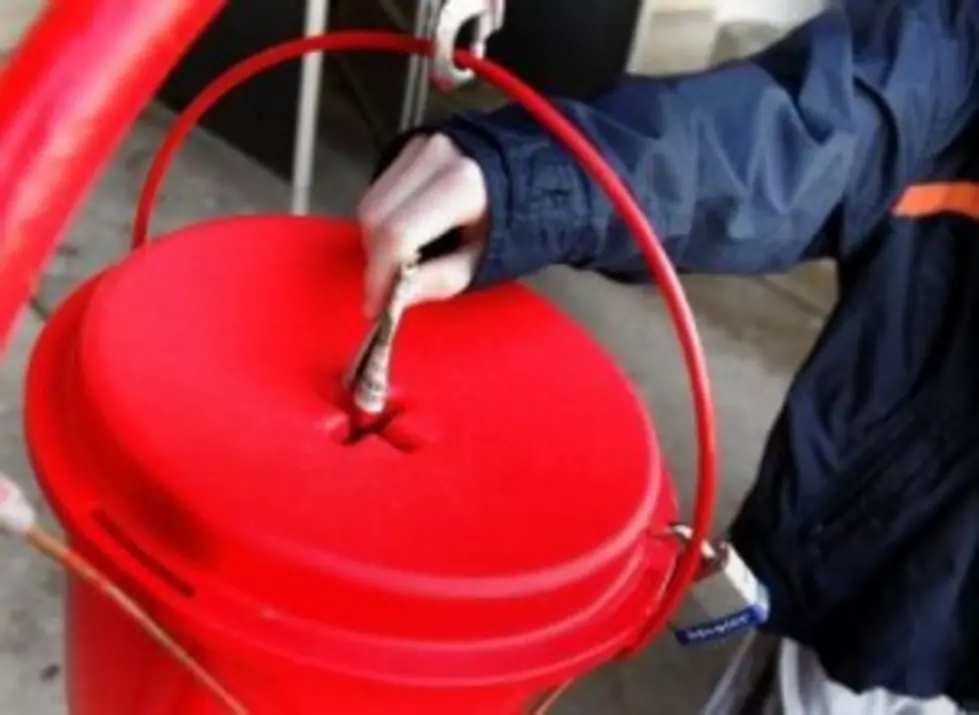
<point>425,64</point>
<point>311,82</point>
<point>416,85</point>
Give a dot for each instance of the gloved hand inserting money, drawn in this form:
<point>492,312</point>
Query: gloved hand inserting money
<point>429,190</point>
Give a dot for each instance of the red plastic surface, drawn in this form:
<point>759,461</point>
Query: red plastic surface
<point>68,95</point>
<point>52,128</point>
<point>54,137</point>
<point>498,533</point>
<point>591,160</point>
<point>497,473</point>
<point>115,670</point>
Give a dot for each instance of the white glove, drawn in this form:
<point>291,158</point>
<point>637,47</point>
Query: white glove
<point>429,190</point>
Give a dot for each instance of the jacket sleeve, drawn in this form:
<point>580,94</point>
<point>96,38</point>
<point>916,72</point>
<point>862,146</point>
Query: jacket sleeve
<point>750,167</point>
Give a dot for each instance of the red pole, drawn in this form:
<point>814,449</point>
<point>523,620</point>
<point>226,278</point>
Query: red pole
<point>68,96</point>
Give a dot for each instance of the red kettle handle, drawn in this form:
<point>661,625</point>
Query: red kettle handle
<point>580,147</point>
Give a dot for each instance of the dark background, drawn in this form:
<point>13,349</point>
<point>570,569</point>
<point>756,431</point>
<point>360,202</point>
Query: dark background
<point>587,46</point>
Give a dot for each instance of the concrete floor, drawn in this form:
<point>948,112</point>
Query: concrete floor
<point>755,332</point>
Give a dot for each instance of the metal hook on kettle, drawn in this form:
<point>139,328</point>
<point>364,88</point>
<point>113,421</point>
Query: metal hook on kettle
<point>448,23</point>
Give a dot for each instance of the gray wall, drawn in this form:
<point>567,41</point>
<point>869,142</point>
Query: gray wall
<point>15,17</point>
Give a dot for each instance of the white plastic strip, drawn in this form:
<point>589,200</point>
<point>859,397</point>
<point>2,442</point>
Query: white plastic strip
<point>17,516</point>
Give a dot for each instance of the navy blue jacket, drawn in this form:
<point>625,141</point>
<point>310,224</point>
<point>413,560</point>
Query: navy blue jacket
<point>864,520</point>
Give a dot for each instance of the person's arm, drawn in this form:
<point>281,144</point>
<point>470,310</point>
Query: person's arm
<point>750,167</point>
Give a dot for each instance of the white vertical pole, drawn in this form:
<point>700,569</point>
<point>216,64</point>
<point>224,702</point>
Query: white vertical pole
<point>416,86</point>
<point>432,8</point>
<point>311,82</point>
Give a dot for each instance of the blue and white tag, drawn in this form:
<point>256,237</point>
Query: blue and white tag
<point>727,600</point>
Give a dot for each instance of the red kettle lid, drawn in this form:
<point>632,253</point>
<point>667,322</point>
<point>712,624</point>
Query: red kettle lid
<point>517,460</point>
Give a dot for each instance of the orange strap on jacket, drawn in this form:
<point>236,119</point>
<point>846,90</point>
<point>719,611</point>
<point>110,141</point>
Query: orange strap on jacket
<point>960,198</point>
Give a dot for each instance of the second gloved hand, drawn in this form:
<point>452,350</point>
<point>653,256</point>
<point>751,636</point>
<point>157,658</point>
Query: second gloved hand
<point>430,189</point>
